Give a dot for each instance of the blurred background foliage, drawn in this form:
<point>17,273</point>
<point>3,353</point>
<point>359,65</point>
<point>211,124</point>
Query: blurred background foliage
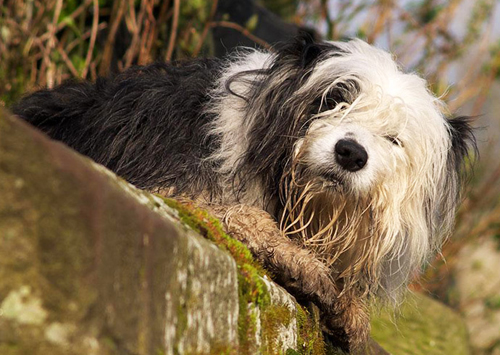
<point>453,43</point>
<point>44,42</point>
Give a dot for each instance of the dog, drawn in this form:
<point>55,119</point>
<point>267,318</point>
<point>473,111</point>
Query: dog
<point>341,172</point>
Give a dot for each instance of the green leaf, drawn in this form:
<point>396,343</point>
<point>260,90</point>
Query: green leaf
<point>252,22</point>
<point>70,22</point>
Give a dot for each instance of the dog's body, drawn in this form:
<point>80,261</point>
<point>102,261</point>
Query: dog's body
<point>350,156</point>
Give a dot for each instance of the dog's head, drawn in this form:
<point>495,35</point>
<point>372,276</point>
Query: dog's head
<point>362,152</point>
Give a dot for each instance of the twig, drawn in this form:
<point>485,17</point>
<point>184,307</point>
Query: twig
<point>164,15</point>
<point>165,12</point>
<point>243,31</point>
<point>206,28</point>
<point>93,36</point>
<point>117,14</point>
<point>67,61</point>
<point>173,31</point>
<point>50,44</point>
<point>135,22</point>
<point>83,37</point>
<point>73,15</point>
<point>148,33</point>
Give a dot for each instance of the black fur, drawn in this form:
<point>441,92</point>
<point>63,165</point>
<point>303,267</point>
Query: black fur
<point>149,124</point>
<point>462,140</point>
<point>463,152</point>
<point>146,124</point>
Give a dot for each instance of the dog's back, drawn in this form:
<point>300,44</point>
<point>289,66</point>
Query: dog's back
<point>147,124</point>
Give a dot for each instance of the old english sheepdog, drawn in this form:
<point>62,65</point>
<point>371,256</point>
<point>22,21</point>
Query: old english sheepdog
<point>354,162</point>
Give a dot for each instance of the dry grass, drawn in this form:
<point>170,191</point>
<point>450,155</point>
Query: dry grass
<point>43,43</point>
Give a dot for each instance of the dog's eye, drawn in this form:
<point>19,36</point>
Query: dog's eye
<point>344,92</point>
<point>394,140</point>
<point>329,101</point>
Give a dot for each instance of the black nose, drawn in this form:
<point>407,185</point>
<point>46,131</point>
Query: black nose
<point>350,155</point>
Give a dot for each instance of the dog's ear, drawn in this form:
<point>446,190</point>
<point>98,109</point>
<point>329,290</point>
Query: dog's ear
<point>462,139</point>
<point>303,51</point>
<point>311,50</point>
<point>310,53</point>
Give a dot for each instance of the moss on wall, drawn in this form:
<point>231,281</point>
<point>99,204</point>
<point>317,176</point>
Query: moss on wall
<point>253,294</point>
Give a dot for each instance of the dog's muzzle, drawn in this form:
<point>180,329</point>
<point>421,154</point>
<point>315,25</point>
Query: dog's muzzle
<point>350,155</point>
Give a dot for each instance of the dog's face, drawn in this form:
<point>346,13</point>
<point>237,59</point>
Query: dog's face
<point>346,131</point>
<point>372,126</point>
<point>378,136</point>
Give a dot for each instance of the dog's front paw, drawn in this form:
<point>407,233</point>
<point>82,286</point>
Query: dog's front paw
<point>344,316</point>
<point>348,323</point>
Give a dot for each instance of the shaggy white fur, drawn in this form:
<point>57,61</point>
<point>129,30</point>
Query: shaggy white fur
<point>404,194</point>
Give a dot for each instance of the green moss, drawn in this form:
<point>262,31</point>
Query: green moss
<point>277,315</point>
<point>251,289</point>
<point>252,292</point>
<point>208,226</point>
<point>273,318</point>
<point>309,337</point>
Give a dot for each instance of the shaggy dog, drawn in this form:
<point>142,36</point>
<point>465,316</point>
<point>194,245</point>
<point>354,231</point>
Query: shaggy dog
<point>352,159</point>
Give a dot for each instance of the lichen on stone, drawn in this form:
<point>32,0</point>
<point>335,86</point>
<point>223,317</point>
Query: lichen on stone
<point>261,319</point>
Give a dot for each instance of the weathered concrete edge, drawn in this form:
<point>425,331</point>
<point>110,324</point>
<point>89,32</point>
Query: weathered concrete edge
<point>286,332</point>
